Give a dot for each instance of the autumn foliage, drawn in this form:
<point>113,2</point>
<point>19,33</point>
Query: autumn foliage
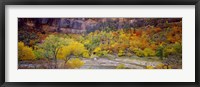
<point>164,43</point>
<point>25,52</point>
<point>74,63</point>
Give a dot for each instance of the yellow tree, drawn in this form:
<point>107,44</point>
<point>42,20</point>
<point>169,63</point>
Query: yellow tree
<point>73,49</point>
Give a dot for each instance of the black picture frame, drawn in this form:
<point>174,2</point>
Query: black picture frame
<point>98,2</point>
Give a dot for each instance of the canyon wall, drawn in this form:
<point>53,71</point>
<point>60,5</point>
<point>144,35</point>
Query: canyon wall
<point>83,25</point>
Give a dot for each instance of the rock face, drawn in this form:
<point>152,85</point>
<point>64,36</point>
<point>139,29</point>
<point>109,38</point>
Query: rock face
<point>82,25</point>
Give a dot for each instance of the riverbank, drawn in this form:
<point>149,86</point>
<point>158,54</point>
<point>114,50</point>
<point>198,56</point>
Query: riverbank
<point>93,63</point>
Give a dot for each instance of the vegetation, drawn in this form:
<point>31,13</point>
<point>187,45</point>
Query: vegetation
<point>121,66</point>
<point>74,63</point>
<point>72,48</point>
<point>25,52</point>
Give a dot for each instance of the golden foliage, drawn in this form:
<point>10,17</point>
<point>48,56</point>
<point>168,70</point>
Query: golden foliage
<point>97,49</point>
<point>149,67</point>
<point>86,54</point>
<point>163,66</point>
<point>25,52</point>
<point>120,66</point>
<point>74,48</point>
<point>159,66</point>
<point>63,52</point>
<point>121,53</point>
<point>138,52</point>
<point>74,63</point>
<point>149,52</point>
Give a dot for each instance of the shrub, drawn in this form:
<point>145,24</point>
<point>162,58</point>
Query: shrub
<point>120,66</point>
<point>149,52</point>
<point>138,52</point>
<point>178,47</point>
<point>104,53</point>
<point>163,66</point>
<point>74,63</point>
<point>149,67</point>
<point>159,66</point>
<point>159,52</point>
<point>25,52</point>
<point>121,53</point>
<point>86,54</point>
<point>169,50</point>
<point>97,50</point>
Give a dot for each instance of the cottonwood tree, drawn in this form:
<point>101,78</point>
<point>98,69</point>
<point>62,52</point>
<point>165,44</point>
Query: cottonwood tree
<point>73,49</point>
<point>52,45</point>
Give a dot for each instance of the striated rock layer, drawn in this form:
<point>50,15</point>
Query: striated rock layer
<point>83,25</point>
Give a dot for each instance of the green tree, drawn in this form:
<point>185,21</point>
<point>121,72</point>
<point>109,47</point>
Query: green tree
<point>159,52</point>
<point>52,45</point>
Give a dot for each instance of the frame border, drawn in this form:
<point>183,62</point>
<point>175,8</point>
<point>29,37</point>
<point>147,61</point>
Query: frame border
<point>98,2</point>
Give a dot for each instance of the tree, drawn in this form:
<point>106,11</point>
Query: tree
<point>25,52</point>
<point>73,49</point>
<point>159,52</point>
<point>52,45</point>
